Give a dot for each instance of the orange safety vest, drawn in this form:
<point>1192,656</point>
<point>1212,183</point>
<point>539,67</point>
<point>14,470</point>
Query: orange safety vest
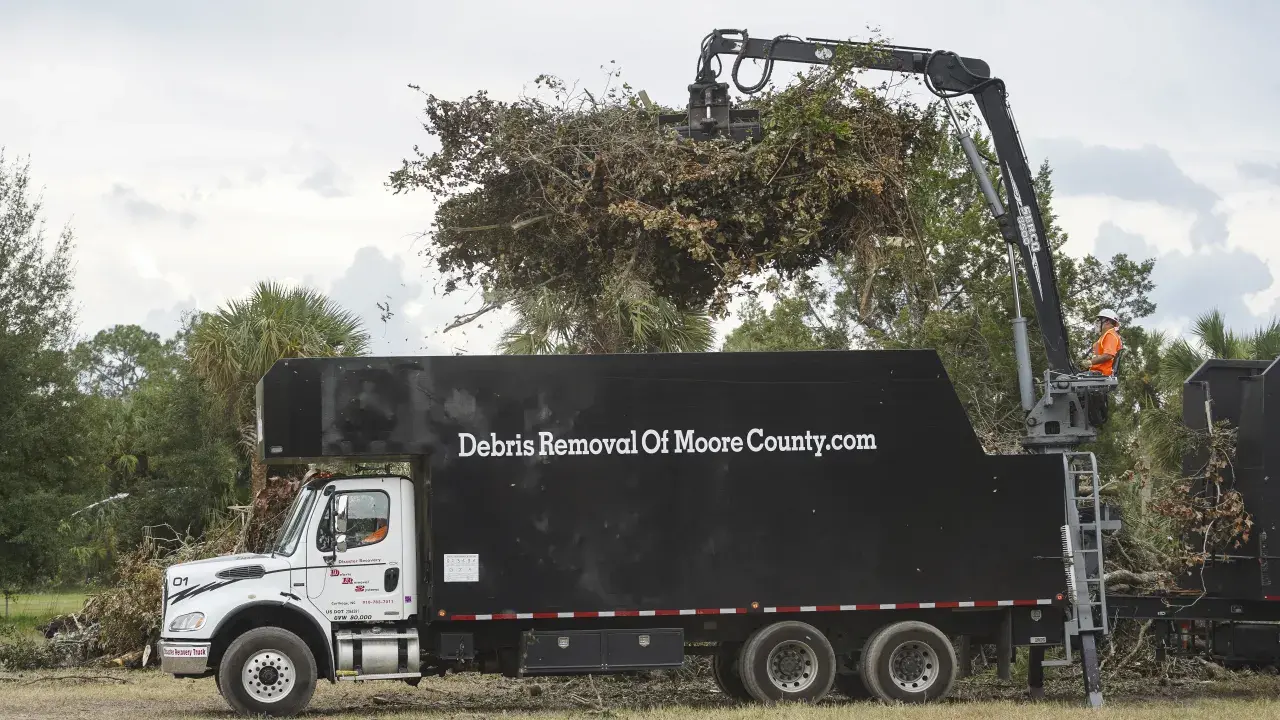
<point>1108,344</point>
<point>375,536</point>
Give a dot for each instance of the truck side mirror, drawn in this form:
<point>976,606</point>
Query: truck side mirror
<point>338,522</point>
<point>340,515</point>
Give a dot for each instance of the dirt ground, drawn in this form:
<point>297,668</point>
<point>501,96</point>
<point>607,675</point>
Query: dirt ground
<point>118,694</point>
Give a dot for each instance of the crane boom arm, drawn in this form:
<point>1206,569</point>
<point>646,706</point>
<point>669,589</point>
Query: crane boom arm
<point>947,75</point>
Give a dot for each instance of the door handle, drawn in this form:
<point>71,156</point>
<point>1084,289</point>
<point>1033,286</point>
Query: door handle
<point>390,579</point>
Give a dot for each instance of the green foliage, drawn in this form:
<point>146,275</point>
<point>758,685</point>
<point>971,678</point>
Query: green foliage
<point>573,192</point>
<point>234,347</point>
<point>42,423</point>
<point>1151,382</point>
<point>164,448</point>
<point>1211,338</point>
<point>943,282</point>
<point>20,650</point>
<point>793,323</point>
<point>116,360</point>
<point>629,319</point>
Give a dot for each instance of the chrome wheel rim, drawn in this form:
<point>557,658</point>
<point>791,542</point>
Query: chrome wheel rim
<point>792,666</point>
<point>913,666</point>
<point>268,676</point>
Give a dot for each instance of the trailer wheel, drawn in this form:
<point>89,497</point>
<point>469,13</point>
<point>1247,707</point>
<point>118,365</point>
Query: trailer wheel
<point>910,662</point>
<point>267,671</point>
<point>724,668</point>
<point>787,661</point>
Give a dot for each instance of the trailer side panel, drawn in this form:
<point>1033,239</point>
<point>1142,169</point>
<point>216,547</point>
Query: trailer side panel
<point>701,482</point>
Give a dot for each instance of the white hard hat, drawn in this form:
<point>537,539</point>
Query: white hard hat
<point>1109,314</point>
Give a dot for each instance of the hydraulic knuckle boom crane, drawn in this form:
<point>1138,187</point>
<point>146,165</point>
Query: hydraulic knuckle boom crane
<point>1072,404</point>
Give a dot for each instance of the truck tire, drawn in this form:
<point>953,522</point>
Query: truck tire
<point>267,671</point>
<point>864,668</point>
<point>789,661</point>
<point>724,668</point>
<point>909,662</point>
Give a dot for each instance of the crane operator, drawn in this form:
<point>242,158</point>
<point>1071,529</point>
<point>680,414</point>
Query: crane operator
<point>1102,357</point>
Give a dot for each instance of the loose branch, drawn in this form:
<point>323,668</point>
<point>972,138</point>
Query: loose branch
<point>513,227</point>
<point>103,678</point>
<point>465,318</point>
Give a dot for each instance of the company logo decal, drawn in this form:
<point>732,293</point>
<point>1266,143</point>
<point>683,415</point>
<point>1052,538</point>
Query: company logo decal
<point>194,590</point>
<point>1026,225</point>
<point>660,442</point>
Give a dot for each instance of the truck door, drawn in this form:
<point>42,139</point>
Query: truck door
<point>355,564</point>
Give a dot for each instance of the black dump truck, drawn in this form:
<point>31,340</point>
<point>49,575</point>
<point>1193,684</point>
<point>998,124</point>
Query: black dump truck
<point>811,519</point>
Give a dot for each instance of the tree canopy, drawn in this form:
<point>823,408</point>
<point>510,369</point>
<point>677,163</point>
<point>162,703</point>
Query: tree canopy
<point>42,425</point>
<point>233,348</point>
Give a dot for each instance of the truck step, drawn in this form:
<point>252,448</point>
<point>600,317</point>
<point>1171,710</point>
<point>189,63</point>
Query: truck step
<point>348,675</point>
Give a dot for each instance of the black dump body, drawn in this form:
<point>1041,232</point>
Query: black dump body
<point>1246,393</point>
<point>915,512</point>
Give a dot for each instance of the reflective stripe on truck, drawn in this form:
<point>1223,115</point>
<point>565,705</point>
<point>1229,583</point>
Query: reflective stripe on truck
<point>743,611</point>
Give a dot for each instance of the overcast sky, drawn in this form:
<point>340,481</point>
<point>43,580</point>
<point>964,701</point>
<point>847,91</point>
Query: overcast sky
<point>199,147</point>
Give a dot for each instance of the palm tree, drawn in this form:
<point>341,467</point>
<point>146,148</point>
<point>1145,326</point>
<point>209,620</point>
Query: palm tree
<point>234,347</point>
<point>1213,339</point>
<point>1162,434</point>
<point>628,318</point>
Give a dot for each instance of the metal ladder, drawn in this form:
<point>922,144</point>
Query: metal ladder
<point>1083,563</point>
<point>1082,544</point>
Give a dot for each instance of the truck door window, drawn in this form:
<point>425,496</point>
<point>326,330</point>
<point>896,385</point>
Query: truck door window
<point>368,519</point>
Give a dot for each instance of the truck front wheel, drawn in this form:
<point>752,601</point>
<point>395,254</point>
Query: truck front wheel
<point>787,661</point>
<point>267,671</point>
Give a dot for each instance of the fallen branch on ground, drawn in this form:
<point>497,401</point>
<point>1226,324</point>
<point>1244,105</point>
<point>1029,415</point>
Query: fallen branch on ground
<point>98,678</point>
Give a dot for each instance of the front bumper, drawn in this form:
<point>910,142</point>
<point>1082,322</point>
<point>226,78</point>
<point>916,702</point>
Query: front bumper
<point>184,658</point>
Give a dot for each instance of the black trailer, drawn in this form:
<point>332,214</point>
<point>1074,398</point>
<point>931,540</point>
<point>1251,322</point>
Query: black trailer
<point>613,512</point>
<point>1228,609</point>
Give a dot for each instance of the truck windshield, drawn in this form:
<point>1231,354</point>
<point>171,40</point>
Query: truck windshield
<point>297,520</point>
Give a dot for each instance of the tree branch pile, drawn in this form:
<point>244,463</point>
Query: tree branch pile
<point>1174,523</point>
<point>118,625</point>
<point>1206,504</point>
<point>571,192</point>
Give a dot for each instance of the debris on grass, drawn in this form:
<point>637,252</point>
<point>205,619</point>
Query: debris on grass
<point>119,626</point>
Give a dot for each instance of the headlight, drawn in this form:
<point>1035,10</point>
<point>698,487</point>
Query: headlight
<point>187,623</point>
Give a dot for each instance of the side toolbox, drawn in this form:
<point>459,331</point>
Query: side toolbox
<point>1246,643</point>
<point>599,651</point>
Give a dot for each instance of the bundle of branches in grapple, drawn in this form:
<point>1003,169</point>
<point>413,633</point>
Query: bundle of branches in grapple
<point>571,192</point>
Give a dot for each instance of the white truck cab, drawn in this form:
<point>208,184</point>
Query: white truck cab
<point>343,573</point>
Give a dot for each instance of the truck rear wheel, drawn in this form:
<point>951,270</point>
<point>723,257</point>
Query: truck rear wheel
<point>910,662</point>
<point>787,661</point>
<point>724,668</point>
<point>267,671</point>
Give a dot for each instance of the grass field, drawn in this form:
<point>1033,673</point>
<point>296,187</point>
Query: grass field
<point>27,612</point>
<point>45,605</point>
<point>114,695</point>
